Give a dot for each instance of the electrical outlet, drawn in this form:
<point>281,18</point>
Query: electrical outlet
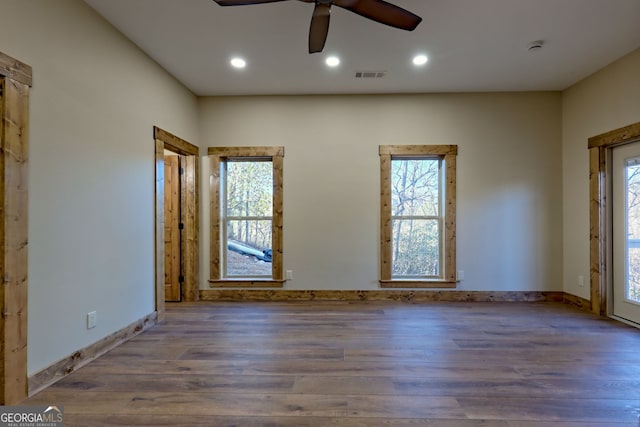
<point>460,275</point>
<point>92,319</point>
<point>289,274</point>
<point>580,280</point>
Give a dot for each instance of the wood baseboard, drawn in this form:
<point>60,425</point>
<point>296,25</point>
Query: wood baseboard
<point>395,295</point>
<point>578,302</point>
<point>64,367</point>
<point>58,370</point>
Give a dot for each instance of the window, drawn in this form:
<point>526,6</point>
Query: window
<point>246,216</point>
<point>417,237</point>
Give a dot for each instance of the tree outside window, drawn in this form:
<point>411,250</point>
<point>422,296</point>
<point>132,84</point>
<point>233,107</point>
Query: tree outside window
<point>247,205</point>
<point>416,188</point>
<point>633,230</point>
<point>417,244</point>
<point>246,216</point>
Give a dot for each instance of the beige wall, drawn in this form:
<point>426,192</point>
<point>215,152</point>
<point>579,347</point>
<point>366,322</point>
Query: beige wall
<point>607,100</point>
<point>96,98</point>
<point>509,192</point>
<point>94,102</point>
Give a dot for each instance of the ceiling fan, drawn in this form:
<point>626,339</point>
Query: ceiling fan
<point>376,10</point>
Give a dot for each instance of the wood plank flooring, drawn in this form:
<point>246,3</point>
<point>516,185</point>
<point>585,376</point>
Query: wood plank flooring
<point>363,364</point>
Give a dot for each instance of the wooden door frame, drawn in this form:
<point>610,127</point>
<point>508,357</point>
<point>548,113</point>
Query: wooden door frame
<point>173,267</point>
<point>15,81</point>
<point>599,210</point>
<point>190,215</point>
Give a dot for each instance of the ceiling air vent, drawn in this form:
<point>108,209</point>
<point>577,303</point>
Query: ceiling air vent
<point>370,74</point>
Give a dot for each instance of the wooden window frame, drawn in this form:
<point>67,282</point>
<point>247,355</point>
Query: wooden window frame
<point>448,153</point>
<point>216,156</point>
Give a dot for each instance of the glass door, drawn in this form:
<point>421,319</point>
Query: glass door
<point>626,232</point>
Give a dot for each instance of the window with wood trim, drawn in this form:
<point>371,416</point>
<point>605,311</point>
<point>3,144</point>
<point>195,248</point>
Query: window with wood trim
<point>417,212</point>
<point>246,216</point>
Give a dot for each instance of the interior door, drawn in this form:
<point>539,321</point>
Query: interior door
<point>172,261</point>
<point>626,232</point>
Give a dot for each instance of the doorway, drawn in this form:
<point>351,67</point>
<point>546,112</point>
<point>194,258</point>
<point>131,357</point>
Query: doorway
<point>600,213</point>
<point>187,210</point>
<point>625,202</point>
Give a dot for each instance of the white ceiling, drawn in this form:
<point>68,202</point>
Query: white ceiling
<point>473,45</point>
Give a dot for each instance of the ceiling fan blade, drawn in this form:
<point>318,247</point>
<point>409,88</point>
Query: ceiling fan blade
<point>243,2</point>
<point>319,27</point>
<point>383,12</point>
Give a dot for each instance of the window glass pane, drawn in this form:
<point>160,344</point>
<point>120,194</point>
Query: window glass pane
<point>416,247</point>
<point>633,230</point>
<point>249,188</point>
<point>248,248</point>
<point>415,187</point>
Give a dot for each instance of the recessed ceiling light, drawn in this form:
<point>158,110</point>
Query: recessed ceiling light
<point>238,63</point>
<point>420,60</point>
<point>332,61</point>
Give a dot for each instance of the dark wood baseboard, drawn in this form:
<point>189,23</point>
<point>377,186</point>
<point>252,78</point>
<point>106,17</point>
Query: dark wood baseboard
<point>49,375</point>
<point>395,295</point>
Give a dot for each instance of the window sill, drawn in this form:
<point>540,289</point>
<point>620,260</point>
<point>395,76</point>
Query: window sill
<point>244,283</point>
<point>417,284</point>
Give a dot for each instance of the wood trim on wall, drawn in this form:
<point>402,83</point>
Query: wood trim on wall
<point>242,151</point>
<point>239,283</point>
<point>15,70</point>
<point>418,150</point>
<point>214,226</point>
<point>159,229</point>
<point>58,370</point>
<point>414,284</point>
<point>599,209</point>
<point>217,155</point>
<point>598,229</point>
<point>15,80</point>
<point>390,295</point>
<point>578,302</point>
<point>174,143</point>
<point>448,153</point>
<point>278,202</point>
<point>619,136</point>
<point>386,229</point>
<point>190,215</point>
<point>190,238</point>
<point>450,266</point>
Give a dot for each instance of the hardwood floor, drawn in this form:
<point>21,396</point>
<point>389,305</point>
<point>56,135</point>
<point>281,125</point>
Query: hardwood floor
<point>363,364</point>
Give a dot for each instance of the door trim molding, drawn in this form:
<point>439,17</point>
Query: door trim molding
<point>190,215</point>
<point>599,162</point>
<point>15,70</point>
<point>15,81</point>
